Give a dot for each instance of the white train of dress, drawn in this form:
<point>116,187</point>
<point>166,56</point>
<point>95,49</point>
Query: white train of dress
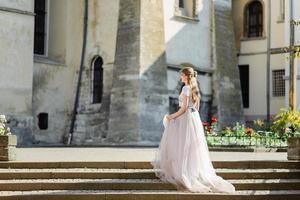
<point>183,156</point>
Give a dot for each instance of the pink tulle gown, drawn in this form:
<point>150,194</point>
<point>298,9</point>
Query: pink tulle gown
<point>183,156</point>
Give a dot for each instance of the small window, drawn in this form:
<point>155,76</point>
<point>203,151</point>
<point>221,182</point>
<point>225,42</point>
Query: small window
<point>181,3</point>
<point>97,80</point>
<point>281,16</point>
<point>186,8</point>
<point>244,79</point>
<point>278,85</point>
<point>254,20</point>
<point>40,27</point>
<point>43,121</point>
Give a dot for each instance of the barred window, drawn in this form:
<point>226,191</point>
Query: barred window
<point>254,19</point>
<point>278,83</point>
<point>40,26</point>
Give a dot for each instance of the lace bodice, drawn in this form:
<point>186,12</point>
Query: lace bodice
<point>185,90</point>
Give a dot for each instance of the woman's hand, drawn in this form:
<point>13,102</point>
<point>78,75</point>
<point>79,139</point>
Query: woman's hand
<point>168,118</point>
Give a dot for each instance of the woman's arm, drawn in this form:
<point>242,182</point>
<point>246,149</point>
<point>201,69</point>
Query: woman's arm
<point>182,109</point>
<point>198,104</point>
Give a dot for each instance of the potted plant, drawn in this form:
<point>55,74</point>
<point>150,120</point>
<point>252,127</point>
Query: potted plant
<point>8,142</point>
<point>287,124</point>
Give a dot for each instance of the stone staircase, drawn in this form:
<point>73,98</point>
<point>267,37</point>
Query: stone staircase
<point>89,125</point>
<point>255,180</point>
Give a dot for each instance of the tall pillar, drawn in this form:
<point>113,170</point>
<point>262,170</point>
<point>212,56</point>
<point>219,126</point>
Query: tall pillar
<point>139,92</point>
<point>226,79</point>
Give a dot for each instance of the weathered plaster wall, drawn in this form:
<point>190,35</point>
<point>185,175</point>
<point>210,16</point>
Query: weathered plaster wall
<point>16,65</point>
<point>54,75</point>
<point>92,120</point>
<point>188,40</point>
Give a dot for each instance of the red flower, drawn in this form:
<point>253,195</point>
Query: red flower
<point>214,119</point>
<point>205,124</point>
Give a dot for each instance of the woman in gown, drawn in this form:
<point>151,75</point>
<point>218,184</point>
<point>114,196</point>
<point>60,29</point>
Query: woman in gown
<point>183,156</point>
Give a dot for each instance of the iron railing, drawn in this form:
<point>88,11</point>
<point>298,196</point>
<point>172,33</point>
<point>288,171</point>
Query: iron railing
<point>239,141</point>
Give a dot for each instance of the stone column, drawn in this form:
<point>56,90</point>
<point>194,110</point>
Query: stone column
<point>226,80</point>
<point>139,92</point>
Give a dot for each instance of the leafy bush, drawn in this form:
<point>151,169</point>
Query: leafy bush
<point>287,123</point>
<point>261,125</point>
<point>4,129</point>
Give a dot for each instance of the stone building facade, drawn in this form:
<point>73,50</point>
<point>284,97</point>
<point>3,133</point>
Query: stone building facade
<point>270,30</point>
<point>126,55</point>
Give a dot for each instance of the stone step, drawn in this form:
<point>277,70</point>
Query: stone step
<point>91,116</point>
<point>258,173</point>
<point>89,121</point>
<point>135,184</point>
<point>148,195</point>
<point>91,128</point>
<point>147,165</point>
<point>90,108</point>
<point>138,173</point>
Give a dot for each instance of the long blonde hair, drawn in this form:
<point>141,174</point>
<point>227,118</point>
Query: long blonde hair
<point>192,80</point>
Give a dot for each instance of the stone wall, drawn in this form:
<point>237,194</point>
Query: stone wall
<point>54,75</point>
<point>91,124</point>
<point>226,83</point>
<point>16,65</point>
<point>139,92</point>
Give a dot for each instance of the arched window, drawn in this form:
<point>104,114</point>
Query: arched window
<point>254,19</point>
<point>97,75</point>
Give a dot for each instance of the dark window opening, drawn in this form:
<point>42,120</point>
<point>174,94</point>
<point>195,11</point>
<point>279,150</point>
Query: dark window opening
<point>181,3</point>
<point>97,80</point>
<point>254,20</point>
<point>39,26</point>
<point>43,121</point>
<point>244,80</point>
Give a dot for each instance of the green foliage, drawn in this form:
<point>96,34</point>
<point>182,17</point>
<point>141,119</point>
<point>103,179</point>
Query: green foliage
<point>287,123</point>
<point>4,129</point>
<point>227,132</point>
<point>261,125</point>
<point>239,129</point>
<point>267,134</point>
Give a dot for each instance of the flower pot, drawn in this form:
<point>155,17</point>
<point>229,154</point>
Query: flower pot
<point>293,152</point>
<point>8,145</point>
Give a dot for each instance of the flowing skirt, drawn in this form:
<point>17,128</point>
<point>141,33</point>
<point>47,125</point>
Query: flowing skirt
<point>183,157</point>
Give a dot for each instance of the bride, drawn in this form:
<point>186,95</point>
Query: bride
<point>183,157</point>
